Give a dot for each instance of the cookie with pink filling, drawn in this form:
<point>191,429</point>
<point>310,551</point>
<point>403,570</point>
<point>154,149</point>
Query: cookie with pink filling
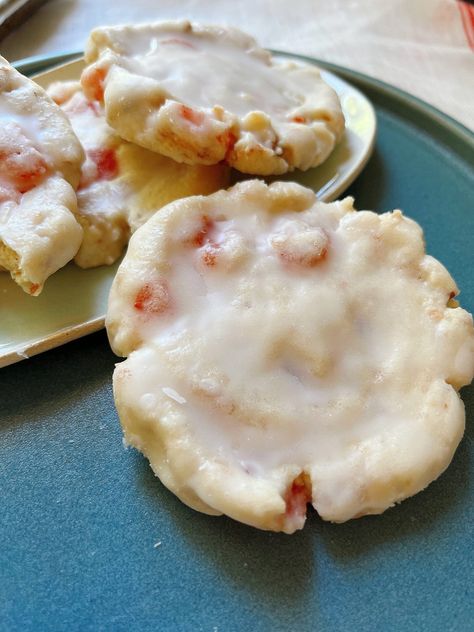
<point>282,351</point>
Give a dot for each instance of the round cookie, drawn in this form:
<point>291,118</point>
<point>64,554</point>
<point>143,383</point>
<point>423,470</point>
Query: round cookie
<point>206,94</point>
<point>40,163</point>
<point>122,184</point>
<point>285,351</point>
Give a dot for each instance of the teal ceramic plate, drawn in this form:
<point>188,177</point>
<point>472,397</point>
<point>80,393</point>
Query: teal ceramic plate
<point>74,301</point>
<point>90,540</point>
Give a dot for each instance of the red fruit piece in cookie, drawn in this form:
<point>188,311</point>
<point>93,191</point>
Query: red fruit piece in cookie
<point>20,161</point>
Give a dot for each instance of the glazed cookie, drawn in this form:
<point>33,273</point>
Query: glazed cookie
<point>283,351</point>
<point>205,94</point>
<point>122,184</point>
<point>40,163</point>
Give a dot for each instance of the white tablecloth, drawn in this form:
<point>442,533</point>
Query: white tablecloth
<point>425,47</point>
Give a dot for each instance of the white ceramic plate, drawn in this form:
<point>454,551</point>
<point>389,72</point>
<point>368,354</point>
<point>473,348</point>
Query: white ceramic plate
<point>73,302</point>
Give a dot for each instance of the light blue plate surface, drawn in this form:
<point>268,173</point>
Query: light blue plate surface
<point>90,540</point>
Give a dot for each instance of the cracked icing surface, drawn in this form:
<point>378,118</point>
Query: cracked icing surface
<point>285,351</point>
<point>203,94</point>
<point>40,162</point>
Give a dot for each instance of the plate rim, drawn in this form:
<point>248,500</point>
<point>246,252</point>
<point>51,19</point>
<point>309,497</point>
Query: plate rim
<point>56,339</point>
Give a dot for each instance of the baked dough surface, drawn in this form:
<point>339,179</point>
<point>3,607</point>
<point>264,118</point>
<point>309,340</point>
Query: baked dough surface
<point>284,351</point>
<point>204,94</point>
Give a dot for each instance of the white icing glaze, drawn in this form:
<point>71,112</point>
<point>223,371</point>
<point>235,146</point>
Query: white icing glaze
<point>312,342</point>
<point>88,122</point>
<point>27,122</point>
<point>215,313</point>
<point>206,72</point>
